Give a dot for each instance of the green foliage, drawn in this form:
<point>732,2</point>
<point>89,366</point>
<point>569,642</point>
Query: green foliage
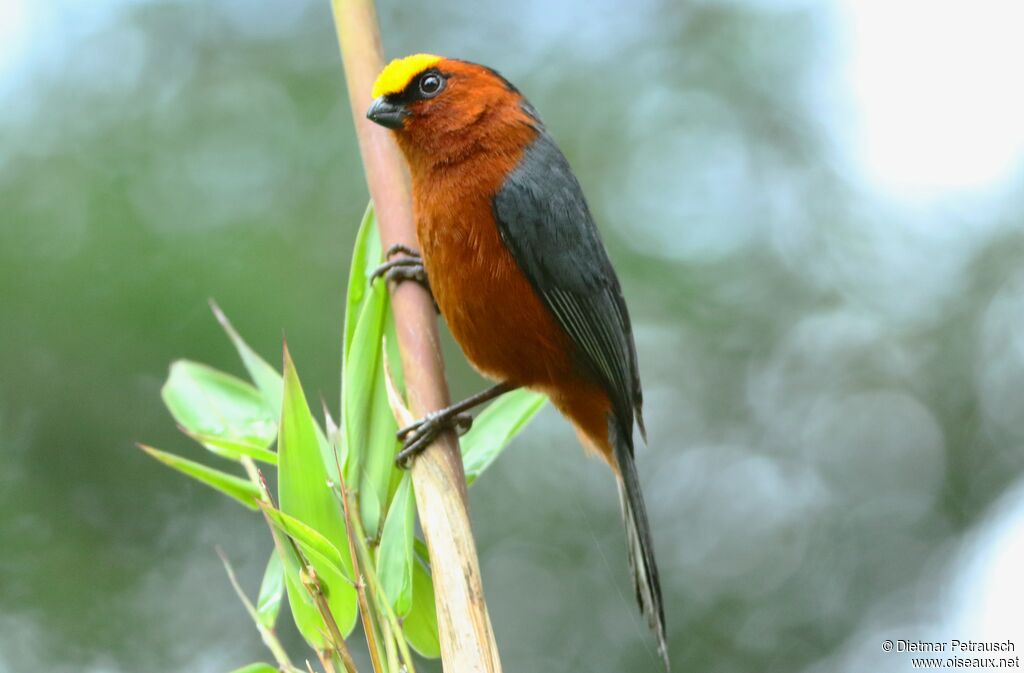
<point>366,414</point>
<point>421,623</point>
<point>256,668</point>
<point>495,427</point>
<point>395,560</point>
<point>266,378</point>
<point>234,449</point>
<point>308,503</point>
<point>268,604</point>
<point>241,490</point>
<point>205,401</point>
<point>321,552</point>
<point>340,495</point>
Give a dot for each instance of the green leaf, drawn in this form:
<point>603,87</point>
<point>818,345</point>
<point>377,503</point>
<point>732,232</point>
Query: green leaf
<point>368,423</point>
<point>366,251</point>
<point>206,401</point>
<point>233,449</point>
<point>420,625</point>
<point>271,592</point>
<point>371,507</point>
<point>333,579</point>
<point>265,377</point>
<point>304,492</point>
<point>422,551</point>
<point>256,668</point>
<point>393,360</point>
<point>242,490</point>
<point>394,353</point>
<point>395,558</point>
<point>495,427</point>
<point>305,614</point>
<point>356,298</point>
<point>361,371</point>
<point>320,551</point>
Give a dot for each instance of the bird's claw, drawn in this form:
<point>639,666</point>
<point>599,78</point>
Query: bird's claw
<point>409,267</point>
<point>403,268</point>
<point>400,248</point>
<point>398,270</point>
<point>419,435</point>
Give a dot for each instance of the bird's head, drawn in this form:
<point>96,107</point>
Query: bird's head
<point>438,106</point>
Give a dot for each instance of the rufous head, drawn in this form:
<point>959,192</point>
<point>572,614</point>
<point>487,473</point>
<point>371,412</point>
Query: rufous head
<point>438,106</point>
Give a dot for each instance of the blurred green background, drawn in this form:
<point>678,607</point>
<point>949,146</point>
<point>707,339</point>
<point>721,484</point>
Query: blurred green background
<point>816,211</point>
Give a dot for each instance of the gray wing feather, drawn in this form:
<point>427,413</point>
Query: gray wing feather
<point>546,224</point>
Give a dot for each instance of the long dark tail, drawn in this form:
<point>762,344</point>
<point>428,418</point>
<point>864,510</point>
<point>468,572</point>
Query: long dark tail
<point>638,536</point>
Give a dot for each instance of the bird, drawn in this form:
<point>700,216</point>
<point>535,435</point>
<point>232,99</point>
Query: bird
<point>509,249</point>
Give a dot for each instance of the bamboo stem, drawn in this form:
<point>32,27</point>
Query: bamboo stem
<point>267,634</point>
<point>384,609</point>
<point>369,623</point>
<point>467,639</point>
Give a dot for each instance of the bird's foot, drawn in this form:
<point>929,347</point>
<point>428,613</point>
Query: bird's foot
<point>404,268</point>
<point>408,267</point>
<point>419,435</point>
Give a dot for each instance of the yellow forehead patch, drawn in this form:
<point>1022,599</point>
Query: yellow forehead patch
<point>397,74</point>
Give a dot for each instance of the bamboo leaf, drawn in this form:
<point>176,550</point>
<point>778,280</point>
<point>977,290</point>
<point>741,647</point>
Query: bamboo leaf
<point>355,302</point>
<point>206,401</point>
<point>262,374</point>
<point>304,611</point>
<point>319,550</point>
<point>420,625</point>
<point>369,427</point>
<point>395,558</point>
<point>362,365</point>
<point>394,381</point>
<point>242,490</point>
<point>371,507</point>
<point>256,668</point>
<point>495,427</point>
<point>271,592</point>
<point>332,578</point>
<point>392,352</point>
<point>233,449</point>
<point>304,492</point>
<point>366,251</point>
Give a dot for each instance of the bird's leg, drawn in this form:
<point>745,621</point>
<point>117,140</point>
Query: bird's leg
<point>409,267</point>
<point>420,434</point>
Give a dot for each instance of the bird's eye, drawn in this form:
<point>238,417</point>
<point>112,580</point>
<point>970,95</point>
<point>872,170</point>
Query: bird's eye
<point>431,85</point>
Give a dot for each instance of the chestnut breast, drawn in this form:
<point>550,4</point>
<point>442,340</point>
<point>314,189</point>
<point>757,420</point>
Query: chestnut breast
<point>491,309</point>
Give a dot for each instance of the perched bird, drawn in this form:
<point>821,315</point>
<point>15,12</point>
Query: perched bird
<point>517,269</point>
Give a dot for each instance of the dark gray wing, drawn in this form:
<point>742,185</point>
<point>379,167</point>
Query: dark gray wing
<point>546,225</point>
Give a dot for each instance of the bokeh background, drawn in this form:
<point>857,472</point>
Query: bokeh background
<point>817,213</point>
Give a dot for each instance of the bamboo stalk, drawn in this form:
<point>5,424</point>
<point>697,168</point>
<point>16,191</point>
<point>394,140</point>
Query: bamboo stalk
<point>369,623</point>
<point>268,634</point>
<point>384,609</point>
<point>467,639</point>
